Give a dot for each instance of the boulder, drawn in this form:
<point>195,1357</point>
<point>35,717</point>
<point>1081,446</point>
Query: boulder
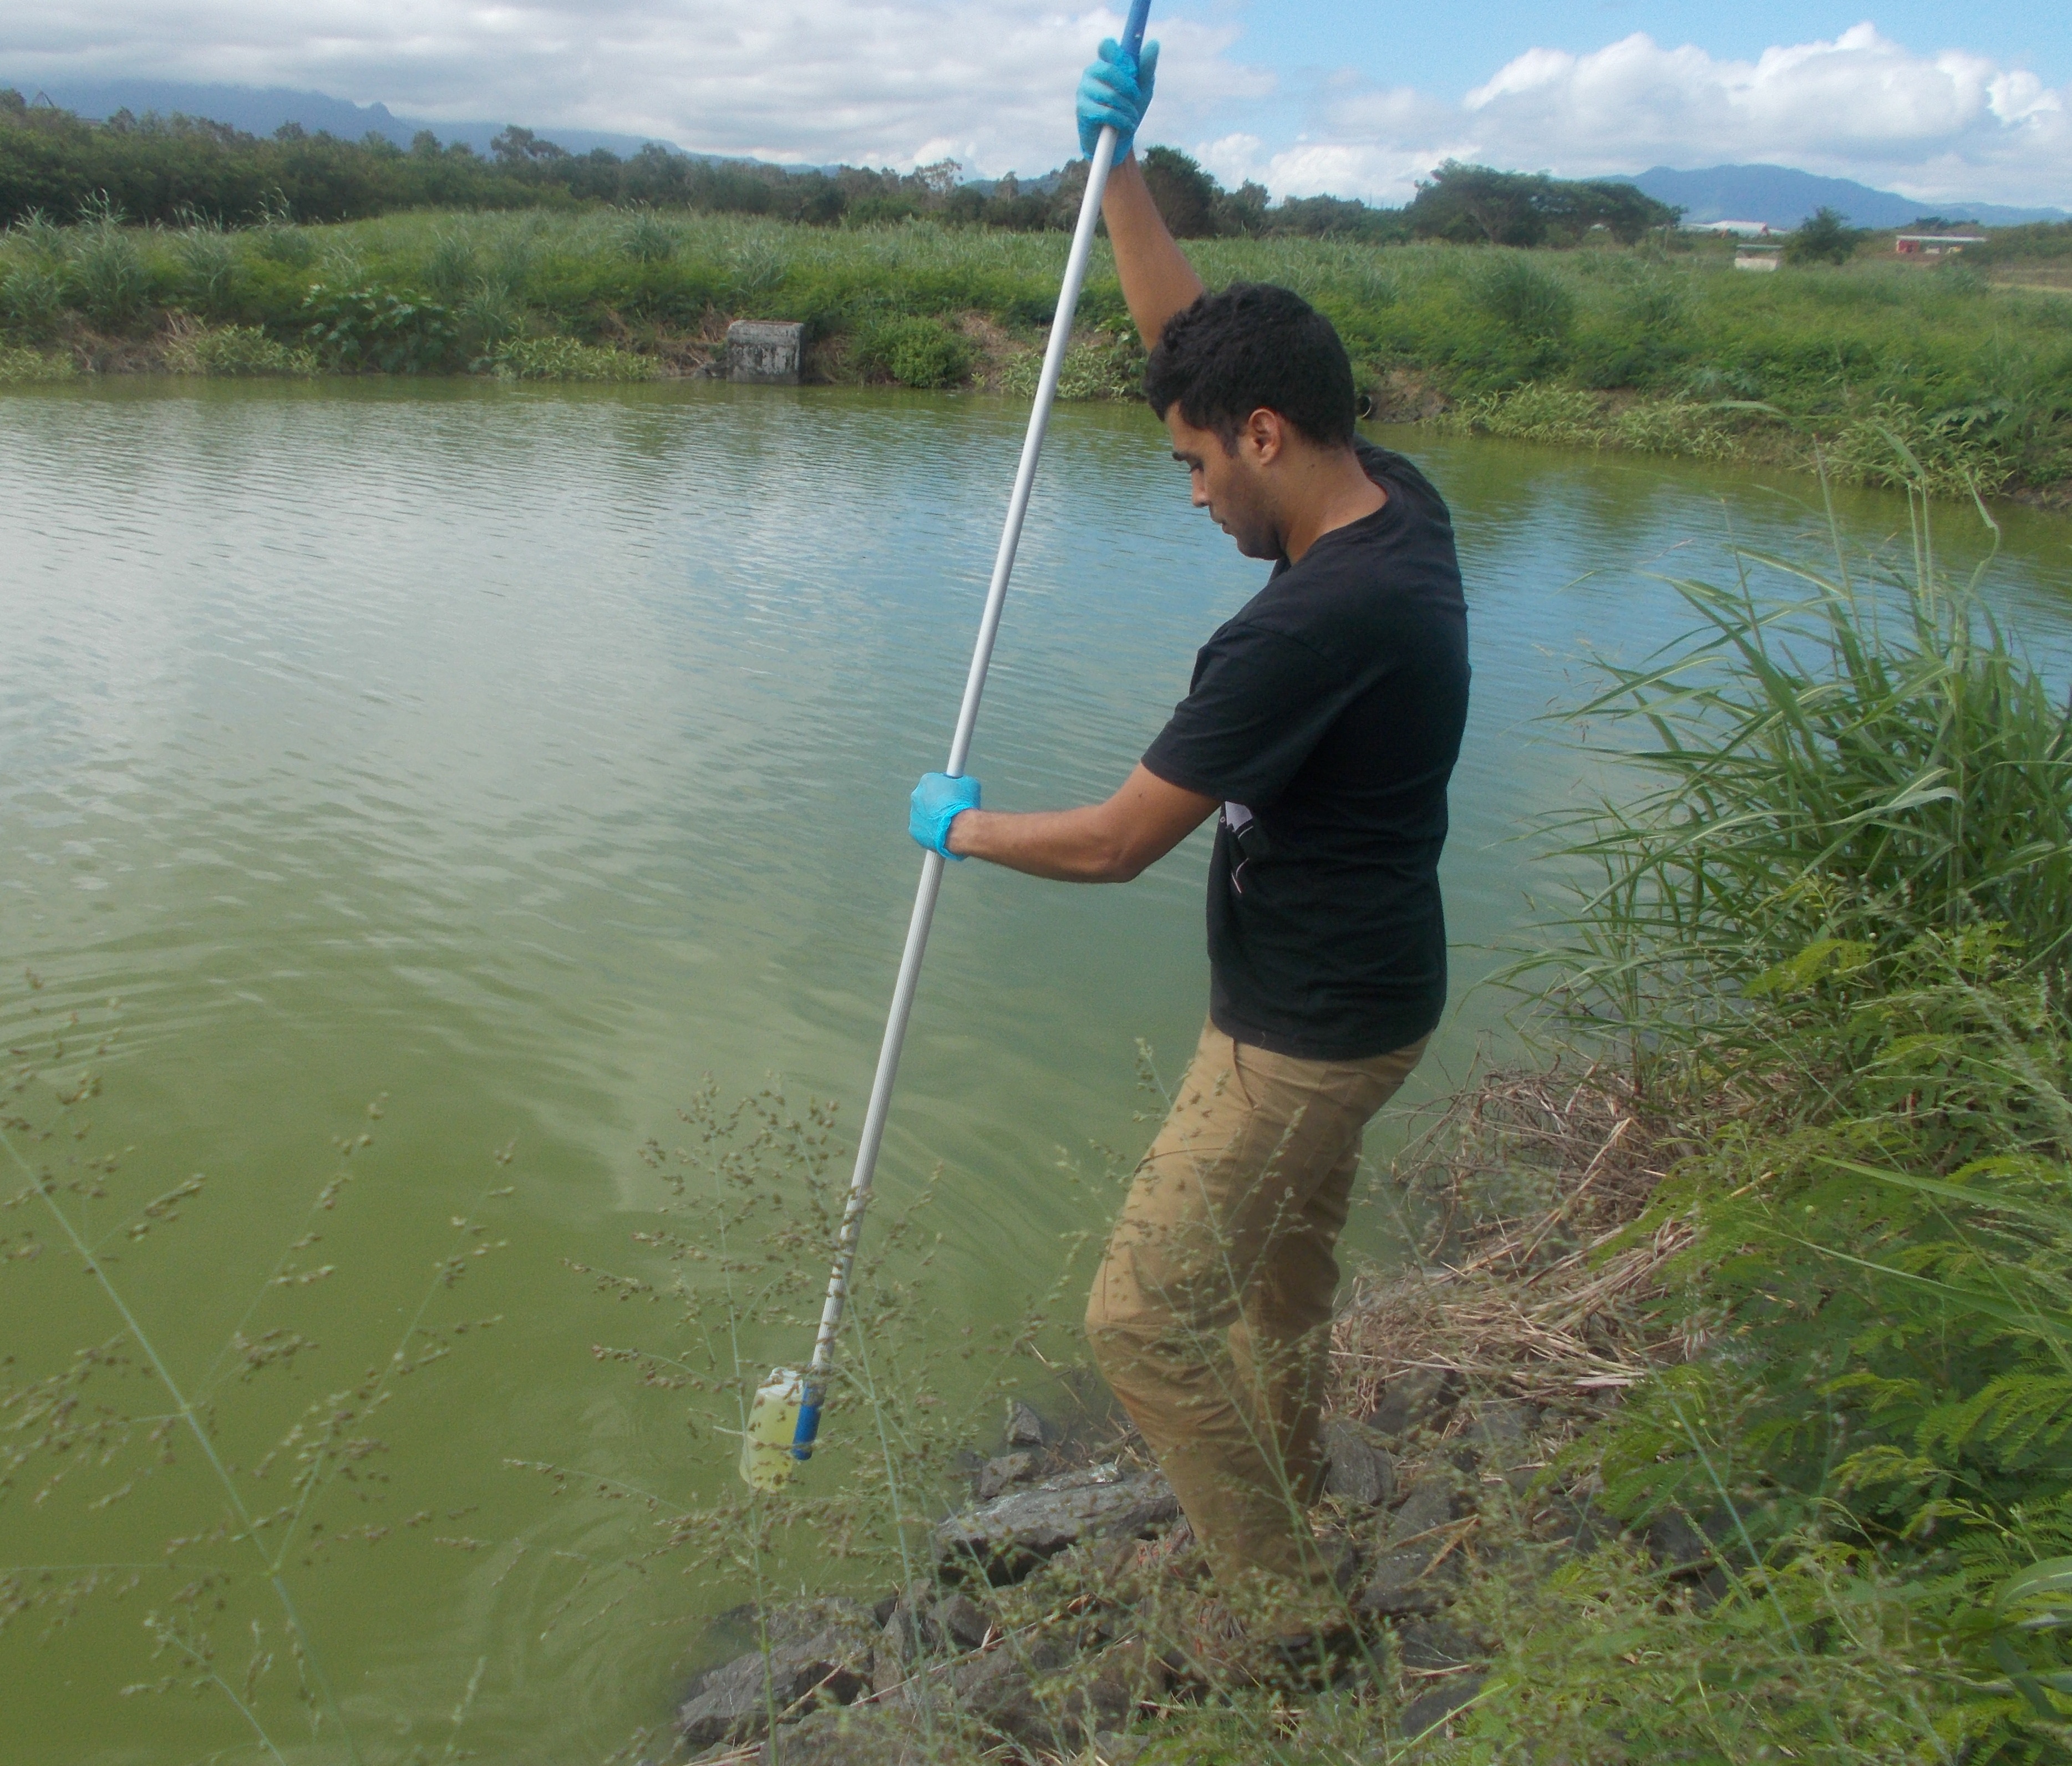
<point>1414,1399</point>
<point>818,1654</point>
<point>1428,1710</point>
<point>1003,1474</point>
<point>926,1621</point>
<point>1409,1577</point>
<point>1433,1644</point>
<point>1004,1539</point>
<point>1359,1473</point>
<point>1024,1428</point>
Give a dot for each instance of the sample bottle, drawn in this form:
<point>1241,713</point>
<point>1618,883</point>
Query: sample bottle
<point>773,1419</point>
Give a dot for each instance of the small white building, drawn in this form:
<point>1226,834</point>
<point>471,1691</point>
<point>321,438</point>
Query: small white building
<point>1759,258</point>
<point>1934,245</point>
<point>1740,229</point>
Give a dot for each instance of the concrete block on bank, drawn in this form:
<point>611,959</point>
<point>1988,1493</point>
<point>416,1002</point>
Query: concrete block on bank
<point>765,351</point>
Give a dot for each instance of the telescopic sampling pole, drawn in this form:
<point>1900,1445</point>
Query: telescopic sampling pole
<point>931,864</point>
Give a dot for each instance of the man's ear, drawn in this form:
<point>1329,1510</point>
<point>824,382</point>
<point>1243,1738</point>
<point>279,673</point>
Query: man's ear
<point>1267,432</point>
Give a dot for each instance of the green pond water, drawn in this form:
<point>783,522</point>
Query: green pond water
<point>509,760</point>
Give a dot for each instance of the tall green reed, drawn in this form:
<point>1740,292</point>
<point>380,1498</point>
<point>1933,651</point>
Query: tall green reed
<point>1868,760</point>
<point>1834,936</point>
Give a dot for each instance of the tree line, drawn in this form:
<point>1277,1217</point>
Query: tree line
<point>173,169</point>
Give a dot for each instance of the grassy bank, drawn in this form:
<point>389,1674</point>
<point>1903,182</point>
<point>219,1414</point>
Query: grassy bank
<point>1649,348</point>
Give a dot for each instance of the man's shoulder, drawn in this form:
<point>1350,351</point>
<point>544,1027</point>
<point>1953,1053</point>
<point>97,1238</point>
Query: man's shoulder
<point>1398,471</point>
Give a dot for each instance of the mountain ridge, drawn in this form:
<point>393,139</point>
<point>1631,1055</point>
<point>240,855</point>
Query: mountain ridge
<point>260,110</point>
<point>1782,196</point>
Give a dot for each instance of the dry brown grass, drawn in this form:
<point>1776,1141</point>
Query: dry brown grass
<point>1529,1276</point>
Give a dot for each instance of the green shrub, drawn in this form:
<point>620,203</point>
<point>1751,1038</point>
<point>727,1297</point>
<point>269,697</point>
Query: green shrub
<point>208,268</point>
<point>19,367</point>
<point>564,359</point>
<point>1898,445</point>
<point>1522,297</point>
<point>646,239</point>
<point>33,298</point>
<point>451,268</point>
<point>1537,412</point>
<point>1097,369</point>
<point>1824,236</point>
<point>236,350</point>
<point>282,242</point>
<point>106,278</point>
<point>913,351</point>
<point>374,330</point>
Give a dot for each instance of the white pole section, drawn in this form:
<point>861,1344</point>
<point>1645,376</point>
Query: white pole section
<point>872,1134</point>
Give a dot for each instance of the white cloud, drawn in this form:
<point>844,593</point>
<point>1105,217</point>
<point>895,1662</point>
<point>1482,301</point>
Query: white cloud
<point>1952,125</point>
<point>989,82</point>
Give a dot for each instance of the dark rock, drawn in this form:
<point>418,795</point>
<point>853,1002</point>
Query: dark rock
<point>1113,1684</point>
<point>1427,1711</point>
<point>1359,1472</point>
<point>1411,1580</point>
<point>883,1610</point>
<point>925,1620</point>
<point>1341,1555</point>
<point>997,1690</point>
<point>1574,1525</point>
<point>1004,1539</point>
<point>1679,1547</point>
<point>1024,1428</point>
<point>1432,1643</point>
<point>819,1654</point>
<point>1413,1400</point>
<point>1502,1428</point>
<point>1409,1577</point>
<point>1004,1473</point>
<point>1428,1503</point>
<point>853,1735</point>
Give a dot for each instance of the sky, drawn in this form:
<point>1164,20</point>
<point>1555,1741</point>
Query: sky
<point>1346,97</point>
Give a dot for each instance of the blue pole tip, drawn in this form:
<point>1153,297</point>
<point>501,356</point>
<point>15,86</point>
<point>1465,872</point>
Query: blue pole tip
<point>809,1425</point>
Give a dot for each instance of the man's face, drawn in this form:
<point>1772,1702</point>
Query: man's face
<point>1230,482</point>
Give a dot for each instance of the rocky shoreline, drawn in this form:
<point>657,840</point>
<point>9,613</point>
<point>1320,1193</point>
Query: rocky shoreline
<point>1059,1615</point>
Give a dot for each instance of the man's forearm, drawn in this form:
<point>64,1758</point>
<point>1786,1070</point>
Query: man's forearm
<point>1102,842</point>
<point>1067,846</point>
<point>1158,281</point>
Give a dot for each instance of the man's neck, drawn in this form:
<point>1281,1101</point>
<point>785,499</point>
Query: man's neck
<point>1327,488</point>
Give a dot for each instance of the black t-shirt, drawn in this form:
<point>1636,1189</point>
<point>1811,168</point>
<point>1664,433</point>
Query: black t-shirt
<point>1327,714</point>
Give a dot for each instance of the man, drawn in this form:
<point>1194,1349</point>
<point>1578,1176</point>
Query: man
<point>1324,719</point>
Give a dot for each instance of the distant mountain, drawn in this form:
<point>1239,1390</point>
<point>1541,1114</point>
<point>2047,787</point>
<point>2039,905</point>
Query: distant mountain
<point>260,111</point>
<point>1783,198</point>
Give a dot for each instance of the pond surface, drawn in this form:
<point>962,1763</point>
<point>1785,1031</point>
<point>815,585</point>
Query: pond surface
<point>507,760</point>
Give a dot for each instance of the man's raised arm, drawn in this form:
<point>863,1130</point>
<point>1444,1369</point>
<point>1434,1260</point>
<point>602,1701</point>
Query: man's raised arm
<point>1158,281</point>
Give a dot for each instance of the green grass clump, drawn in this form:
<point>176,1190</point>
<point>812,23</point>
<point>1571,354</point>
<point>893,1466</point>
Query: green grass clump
<point>566,358</point>
<point>1100,368</point>
<point>20,366</point>
<point>236,350</point>
<point>926,353</point>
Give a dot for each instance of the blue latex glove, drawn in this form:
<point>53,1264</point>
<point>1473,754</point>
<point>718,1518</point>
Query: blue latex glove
<point>1117,90</point>
<point>938,800</point>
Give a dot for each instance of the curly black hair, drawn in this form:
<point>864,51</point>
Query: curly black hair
<point>1253,346</point>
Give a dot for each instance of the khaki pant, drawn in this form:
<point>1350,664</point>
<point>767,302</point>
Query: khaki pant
<point>1210,1314</point>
